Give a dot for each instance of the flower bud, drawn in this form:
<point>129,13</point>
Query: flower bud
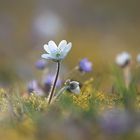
<point>123,59</point>
<point>73,86</point>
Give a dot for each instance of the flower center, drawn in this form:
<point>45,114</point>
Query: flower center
<point>58,54</point>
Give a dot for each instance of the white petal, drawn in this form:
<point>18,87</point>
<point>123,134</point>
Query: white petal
<point>52,46</point>
<point>67,48</point>
<point>76,82</point>
<point>62,44</point>
<point>77,90</point>
<point>122,58</point>
<point>46,48</point>
<point>52,56</point>
<point>46,56</point>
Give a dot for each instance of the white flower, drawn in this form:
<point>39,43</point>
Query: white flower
<point>138,58</point>
<point>56,53</point>
<point>123,59</point>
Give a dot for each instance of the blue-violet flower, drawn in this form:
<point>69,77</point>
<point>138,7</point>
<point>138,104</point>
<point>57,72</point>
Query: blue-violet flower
<point>85,65</point>
<point>40,64</point>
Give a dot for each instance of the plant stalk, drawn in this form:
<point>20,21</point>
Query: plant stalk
<point>61,92</point>
<point>54,83</point>
<point>127,76</point>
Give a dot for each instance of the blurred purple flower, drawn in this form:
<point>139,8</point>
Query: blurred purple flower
<point>41,64</point>
<point>33,87</point>
<point>115,121</point>
<point>85,65</point>
<point>48,80</point>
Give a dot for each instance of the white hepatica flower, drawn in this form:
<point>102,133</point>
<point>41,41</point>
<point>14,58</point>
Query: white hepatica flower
<point>138,58</point>
<point>56,53</point>
<point>123,59</point>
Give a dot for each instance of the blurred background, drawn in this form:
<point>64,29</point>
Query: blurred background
<point>98,29</point>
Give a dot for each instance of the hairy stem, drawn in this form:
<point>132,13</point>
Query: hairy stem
<point>127,76</point>
<point>62,90</point>
<point>54,84</point>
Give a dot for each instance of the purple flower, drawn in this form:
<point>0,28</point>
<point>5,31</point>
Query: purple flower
<point>33,87</point>
<point>40,64</point>
<point>48,81</point>
<point>85,65</point>
<point>115,121</point>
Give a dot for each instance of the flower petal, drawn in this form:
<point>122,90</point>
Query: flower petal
<point>46,56</point>
<point>62,45</point>
<point>76,90</point>
<point>52,46</point>
<point>67,48</point>
<point>46,48</point>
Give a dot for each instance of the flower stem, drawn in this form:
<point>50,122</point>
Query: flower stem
<point>61,91</point>
<point>54,84</point>
<point>127,76</point>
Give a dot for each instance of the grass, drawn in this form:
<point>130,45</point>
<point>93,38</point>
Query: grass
<point>73,116</point>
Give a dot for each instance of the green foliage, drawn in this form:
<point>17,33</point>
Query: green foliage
<point>34,119</point>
